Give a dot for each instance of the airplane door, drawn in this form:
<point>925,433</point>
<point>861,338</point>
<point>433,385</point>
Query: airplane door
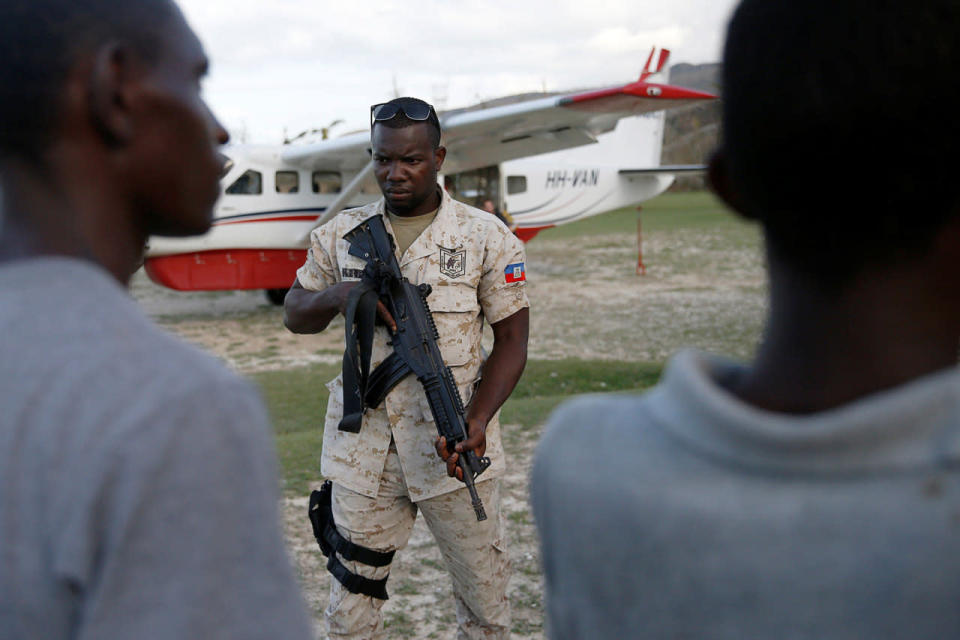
<point>475,186</point>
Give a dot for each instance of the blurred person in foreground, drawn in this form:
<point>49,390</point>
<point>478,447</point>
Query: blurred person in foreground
<point>812,493</point>
<point>138,492</point>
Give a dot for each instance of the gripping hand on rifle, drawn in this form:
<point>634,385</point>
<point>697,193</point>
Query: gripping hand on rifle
<point>500,375</point>
<point>311,311</point>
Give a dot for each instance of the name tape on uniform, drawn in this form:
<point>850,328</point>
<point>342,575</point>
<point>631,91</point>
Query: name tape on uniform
<point>515,273</point>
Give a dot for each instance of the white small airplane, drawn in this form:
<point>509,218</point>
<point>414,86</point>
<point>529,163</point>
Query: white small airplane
<point>546,161</point>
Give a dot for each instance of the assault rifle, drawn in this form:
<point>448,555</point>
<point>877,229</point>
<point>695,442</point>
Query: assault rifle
<point>414,345</point>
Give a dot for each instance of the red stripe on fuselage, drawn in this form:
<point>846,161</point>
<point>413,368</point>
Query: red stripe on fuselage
<point>277,219</point>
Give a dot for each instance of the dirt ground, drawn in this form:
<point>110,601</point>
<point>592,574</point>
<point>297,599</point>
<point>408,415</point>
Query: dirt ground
<point>586,302</point>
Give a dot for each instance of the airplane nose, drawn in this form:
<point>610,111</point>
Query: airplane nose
<point>225,164</point>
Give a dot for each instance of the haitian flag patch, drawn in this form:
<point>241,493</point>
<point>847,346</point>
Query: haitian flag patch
<point>515,273</point>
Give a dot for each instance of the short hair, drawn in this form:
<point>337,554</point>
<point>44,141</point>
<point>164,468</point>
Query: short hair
<point>840,127</point>
<point>40,41</point>
<point>401,121</point>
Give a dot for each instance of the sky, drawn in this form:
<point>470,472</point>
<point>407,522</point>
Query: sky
<point>285,66</point>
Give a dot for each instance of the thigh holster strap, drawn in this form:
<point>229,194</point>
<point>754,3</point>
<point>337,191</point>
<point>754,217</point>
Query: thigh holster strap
<point>355,583</point>
<point>331,543</point>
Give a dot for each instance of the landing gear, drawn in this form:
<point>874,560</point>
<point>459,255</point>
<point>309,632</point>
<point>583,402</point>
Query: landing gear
<point>276,296</point>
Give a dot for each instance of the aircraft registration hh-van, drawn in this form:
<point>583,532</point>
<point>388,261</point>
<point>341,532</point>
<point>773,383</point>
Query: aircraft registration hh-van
<point>546,161</point>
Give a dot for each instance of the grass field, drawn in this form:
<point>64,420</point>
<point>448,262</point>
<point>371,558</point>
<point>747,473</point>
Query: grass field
<point>669,212</point>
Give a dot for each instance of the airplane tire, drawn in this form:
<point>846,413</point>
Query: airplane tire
<point>276,296</point>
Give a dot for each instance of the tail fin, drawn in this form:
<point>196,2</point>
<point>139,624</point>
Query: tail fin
<point>661,62</point>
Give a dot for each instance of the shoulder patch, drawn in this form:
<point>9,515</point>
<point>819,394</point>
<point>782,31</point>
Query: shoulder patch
<point>515,272</point>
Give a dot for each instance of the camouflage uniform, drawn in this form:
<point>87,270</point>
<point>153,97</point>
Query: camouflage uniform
<point>382,474</point>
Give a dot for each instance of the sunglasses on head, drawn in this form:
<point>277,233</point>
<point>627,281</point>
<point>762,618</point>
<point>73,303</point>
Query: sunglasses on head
<point>412,108</point>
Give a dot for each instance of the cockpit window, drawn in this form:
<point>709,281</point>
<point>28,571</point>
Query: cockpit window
<point>287,181</point>
<point>249,184</point>
<point>326,182</point>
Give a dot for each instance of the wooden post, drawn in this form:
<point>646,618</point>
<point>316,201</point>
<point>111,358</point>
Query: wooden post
<point>641,268</point>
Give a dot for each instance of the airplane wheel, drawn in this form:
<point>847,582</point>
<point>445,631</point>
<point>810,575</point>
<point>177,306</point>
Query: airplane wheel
<point>276,296</point>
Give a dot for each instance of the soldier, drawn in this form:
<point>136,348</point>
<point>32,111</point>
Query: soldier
<point>389,470</point>
<point>138,493</point>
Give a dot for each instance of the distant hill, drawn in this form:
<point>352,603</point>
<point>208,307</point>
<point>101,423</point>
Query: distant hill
<point>705,77</point>
<point>692,132</point>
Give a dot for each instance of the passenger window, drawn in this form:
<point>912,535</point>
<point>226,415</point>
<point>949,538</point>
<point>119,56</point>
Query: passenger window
<point>326,182</point>
<point>249,184</point>
<point>287,181</point>
<point>516,184</point>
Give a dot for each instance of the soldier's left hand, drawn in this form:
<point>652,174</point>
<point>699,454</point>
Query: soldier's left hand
<point>476,441</point>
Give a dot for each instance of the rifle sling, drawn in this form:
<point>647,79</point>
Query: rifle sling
<point>361,388</point>
<point>361,314</point>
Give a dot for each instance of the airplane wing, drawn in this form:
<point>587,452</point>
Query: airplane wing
<point>484,137</point>
<point>490,136</point>
<point>481,138</point>
<point>346,153</point>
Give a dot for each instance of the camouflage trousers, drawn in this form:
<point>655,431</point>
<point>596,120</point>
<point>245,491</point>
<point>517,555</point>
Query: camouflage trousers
<point>474,553</point>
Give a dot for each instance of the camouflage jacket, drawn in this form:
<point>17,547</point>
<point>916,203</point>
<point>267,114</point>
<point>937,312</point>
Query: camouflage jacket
<point>475,266</point>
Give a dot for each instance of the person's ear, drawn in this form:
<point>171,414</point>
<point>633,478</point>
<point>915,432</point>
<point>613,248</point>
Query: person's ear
<point>110,89</point>
<point>439,155</point>
<point>718,176</point>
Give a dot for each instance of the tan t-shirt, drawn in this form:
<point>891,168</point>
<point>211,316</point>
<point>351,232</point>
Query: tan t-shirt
<point>408,229</point>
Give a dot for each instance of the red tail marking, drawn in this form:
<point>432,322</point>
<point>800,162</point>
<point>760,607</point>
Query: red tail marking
<point>664,56</point>
<point>646,68</point>
<point>661,61</point>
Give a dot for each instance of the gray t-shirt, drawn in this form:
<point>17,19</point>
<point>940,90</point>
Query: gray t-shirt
<point>137,477</point>
<point>685,513</point>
